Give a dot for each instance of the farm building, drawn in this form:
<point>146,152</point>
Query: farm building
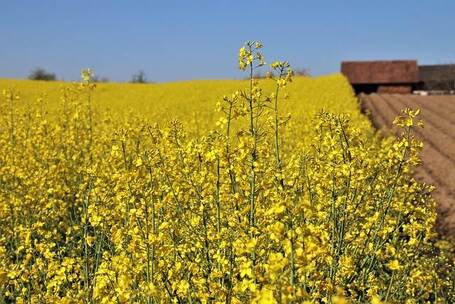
<point>439,77</point>
<point>393,76</point>
<point>399,76</point>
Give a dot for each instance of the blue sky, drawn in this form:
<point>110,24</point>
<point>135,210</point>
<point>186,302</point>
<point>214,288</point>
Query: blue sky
<point>199,39</point>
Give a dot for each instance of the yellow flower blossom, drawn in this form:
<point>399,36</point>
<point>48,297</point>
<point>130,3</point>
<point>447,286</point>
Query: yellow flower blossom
<point>122,193</point>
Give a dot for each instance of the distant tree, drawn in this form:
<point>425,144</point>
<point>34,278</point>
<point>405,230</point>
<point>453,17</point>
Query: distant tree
<point>270,74</point>
<point>139,77</point>
<point>42,74</point>
<point>302,72</point>
<point>261,75</point>
<point>99,79</point>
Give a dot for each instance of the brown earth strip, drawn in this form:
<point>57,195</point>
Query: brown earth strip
<point>439,141</point>
<point>438,135</point>
<point>433,159</point>
<point>446,101</point>
<point>429,114</point>
<point>369,108</point>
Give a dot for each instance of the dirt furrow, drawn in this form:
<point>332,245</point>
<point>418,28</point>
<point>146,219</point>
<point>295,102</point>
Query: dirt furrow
<point>370,109</point>
<point>438,163</point>
<point>439,167</point>
<point>385,111</point>
<point>428,114</point>
<point>438,155</point>
<point>437,160</point>
<point>441,142</point>
<point>448,101</point>
<point>444,199</point>
<point>442,108</point>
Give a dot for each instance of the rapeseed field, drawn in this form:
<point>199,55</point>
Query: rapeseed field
<point>250,191</point>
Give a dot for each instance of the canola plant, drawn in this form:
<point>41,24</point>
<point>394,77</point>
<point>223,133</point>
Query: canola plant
<point>122,193</point>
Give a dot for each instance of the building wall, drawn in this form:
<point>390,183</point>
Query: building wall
<point>381,72</point>
<point>394,89</point>
<point>398,76</point>
<point>365,88</point>
<point>443,85</point>
<point>439,77</point>
<point>383,88</point>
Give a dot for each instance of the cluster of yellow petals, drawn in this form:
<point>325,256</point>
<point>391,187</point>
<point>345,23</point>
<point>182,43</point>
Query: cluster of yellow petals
<point>103,207</point>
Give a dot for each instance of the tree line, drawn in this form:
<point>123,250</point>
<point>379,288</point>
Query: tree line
<point>139,77</point>
<point>44,75</point>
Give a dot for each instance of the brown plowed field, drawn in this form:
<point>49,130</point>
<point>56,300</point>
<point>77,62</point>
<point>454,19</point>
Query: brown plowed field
<point>438,135</point>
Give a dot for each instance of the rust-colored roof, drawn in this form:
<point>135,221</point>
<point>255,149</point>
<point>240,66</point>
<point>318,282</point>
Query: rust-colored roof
<point>385,72</point>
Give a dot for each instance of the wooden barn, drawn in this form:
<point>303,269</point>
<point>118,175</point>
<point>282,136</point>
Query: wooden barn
<point>390,76</point>
<point>439,77</point>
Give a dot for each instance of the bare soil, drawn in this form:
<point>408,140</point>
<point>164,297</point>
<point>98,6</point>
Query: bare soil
<point>438,136</point>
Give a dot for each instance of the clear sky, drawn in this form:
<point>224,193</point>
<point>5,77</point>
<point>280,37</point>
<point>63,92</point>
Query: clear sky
<point>199,39</point>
